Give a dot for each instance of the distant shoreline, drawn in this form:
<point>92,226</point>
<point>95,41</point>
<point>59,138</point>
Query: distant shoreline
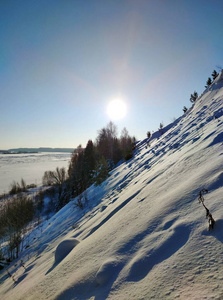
<point>19,152</point>
<point>36,150</point>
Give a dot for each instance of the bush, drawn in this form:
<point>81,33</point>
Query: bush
<point>128,155</point>
<point>15,214</point>
<point>161,128</point>
<point>18,188</point>
<point>79,202</point>
<point>148,134</point>
<point>54,177</point>
<point>31,186</point>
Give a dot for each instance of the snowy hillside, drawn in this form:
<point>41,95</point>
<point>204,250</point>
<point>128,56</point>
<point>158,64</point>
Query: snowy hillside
<point>143,234</point>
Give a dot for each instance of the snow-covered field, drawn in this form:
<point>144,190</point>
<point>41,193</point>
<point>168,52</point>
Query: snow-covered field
<point>30,167</point>
<point>143,234</point>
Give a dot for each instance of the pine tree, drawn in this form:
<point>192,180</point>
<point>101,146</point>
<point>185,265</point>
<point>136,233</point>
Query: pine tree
<point>89,160</point>
<point>208,83</point>
<point>102,171</point>
<point>214,74</point>
<point>126,144</point>
<point>193,97</point>
<point>184,109</point>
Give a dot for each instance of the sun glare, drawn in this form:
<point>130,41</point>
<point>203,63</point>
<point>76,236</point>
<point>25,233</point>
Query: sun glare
<point>116,109</point>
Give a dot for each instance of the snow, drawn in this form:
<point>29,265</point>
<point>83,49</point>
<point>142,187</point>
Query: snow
<point>30,167</point>
<point>64,248</point>
<point>143,233</point>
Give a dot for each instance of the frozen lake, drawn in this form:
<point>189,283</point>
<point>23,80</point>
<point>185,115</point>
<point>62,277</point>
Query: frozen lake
<point>30,167</point>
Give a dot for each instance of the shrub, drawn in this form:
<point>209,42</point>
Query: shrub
<point>16,213</point>
<point>31,186</point>
<point>148,134</point>
<point>79,202</point>
<point>128,155</point>
<point>18,188</point>
<point>161,128</point>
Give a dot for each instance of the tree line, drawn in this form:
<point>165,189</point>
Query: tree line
<point>89,165</point>
<point>92,164</point>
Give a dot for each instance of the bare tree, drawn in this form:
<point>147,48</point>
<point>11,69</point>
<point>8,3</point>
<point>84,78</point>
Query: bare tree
<point>54,177</point>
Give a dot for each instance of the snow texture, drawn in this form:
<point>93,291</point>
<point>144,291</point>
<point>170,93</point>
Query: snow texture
<point>143,233</point>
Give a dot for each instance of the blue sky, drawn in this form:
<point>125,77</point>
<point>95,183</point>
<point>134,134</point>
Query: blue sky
<point>61,62</point>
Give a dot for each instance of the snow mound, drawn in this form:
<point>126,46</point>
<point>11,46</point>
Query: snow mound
<point>64,248</point>
<point>107,272</point>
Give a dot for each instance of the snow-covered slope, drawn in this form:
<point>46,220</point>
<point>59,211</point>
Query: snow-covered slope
<point>143,234</point>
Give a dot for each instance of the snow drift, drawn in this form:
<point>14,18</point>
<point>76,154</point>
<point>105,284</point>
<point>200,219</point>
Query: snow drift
<point>64,248</point>
<point>143,234</point>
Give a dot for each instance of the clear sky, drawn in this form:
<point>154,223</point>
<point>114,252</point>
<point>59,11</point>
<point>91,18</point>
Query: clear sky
<point>61,62</point>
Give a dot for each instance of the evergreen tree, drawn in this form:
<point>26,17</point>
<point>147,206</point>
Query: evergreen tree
<point>185,109</point>
<point>117,151</point>
<point>214,74</point>
<point>102,171</point>
<point>126,144</point>
<point>193,97</point>
<point>78,175</point>
<point>81,168</point>
<point>208,83</point>
<point>93,163</point>
<point>89,160</point>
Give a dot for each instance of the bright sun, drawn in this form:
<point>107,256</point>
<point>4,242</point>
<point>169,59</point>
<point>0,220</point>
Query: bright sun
<point>116,109</point>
